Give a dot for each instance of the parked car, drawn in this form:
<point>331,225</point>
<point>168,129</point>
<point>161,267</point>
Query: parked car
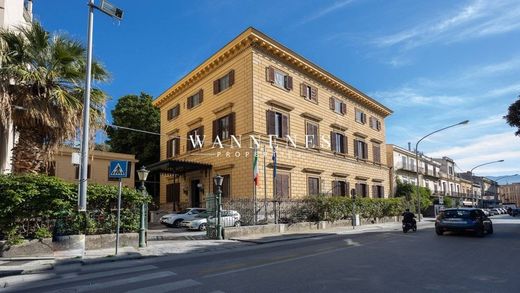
<point>463,219</point>
<point>175,219</point>
<point>229,218</point>
<point>504,211</point>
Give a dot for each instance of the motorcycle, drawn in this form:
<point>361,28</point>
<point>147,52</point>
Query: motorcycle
<point>409,226</point>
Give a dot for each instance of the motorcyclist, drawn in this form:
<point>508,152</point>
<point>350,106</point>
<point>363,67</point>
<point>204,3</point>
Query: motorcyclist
<point>408,217</point>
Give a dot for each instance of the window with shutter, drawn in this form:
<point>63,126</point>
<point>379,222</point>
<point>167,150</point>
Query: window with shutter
<point>277,124</point>
<point>279,78</point>
<point>174,112</point>
<point>193,134</point>
<point>309,92</point>
<point>360,116</point>
<point>224,127</point>
<point>313,185</point>
<point>360,149</point>
<point>195,100</point>
<point>337,106</point>
<point>338,143</point>
<point>311,130</point>
<point>377,152</point>
<point>339,188</point>
<point>282,185</point>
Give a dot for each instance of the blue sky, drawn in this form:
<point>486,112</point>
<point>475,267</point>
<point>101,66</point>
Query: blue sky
<point>434,63</point>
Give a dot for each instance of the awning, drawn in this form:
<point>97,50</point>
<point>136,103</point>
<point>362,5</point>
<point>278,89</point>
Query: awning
<point>177,166</point>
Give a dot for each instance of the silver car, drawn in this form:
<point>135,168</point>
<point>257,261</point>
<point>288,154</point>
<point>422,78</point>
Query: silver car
<point>176,219</point>
<point>229,218</point>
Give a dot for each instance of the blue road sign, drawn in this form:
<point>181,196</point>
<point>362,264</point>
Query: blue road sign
<point>118,169</point>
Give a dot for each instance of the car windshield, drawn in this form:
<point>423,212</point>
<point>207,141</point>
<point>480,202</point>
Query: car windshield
<point>184,211</point>
<point>456,214</point>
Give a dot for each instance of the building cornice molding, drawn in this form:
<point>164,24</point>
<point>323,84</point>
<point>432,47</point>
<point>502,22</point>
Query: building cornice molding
<point>252,38</point>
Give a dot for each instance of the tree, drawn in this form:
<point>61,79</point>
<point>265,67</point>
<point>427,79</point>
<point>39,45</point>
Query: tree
<point>41,92</point>
<point>513,116</point>
<point>409,191</point>
<point>136,112</point>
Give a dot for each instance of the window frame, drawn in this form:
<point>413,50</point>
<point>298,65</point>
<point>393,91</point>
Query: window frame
<point>363,118</point>
<point>335,188</point>
<point>279,175</point>
<point>316,139</point>
<point>310,177</point>
<point>170,113</point>
<point>191,99</point>
<point>189,146</point>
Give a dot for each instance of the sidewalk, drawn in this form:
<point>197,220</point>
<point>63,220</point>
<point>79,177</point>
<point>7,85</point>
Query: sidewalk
<point>179,248</point>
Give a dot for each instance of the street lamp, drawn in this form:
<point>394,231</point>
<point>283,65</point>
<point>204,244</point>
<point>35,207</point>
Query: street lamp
<point>475,200</point>
<point>143,174</point>
<point>218,182</point>
<point>417,163</point>
<point>503,177</point>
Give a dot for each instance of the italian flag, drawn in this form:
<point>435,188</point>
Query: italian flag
<point>255,168</point>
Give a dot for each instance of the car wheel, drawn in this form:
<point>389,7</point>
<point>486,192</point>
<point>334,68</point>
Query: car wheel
<point>237,224</point>
<point>439,231</point>
<point>202,227</point>
<point>177,223</point>
<point>480,232</point>
<point>490,230</point>
<point>405,230</point>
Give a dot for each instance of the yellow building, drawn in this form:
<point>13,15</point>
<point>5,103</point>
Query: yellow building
<point>329,136</point>
<point>98,165</point>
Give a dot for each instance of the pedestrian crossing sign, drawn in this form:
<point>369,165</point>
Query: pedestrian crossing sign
<point>118,169</point>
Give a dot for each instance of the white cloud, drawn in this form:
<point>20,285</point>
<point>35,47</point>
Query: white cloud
<point>478,19</point>
<point>322,12</point>
<point>487,148</point>
<point>407,96</point>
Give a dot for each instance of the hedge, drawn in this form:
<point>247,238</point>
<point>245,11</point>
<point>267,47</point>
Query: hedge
<point>36,206</point>
<point>327,208</point>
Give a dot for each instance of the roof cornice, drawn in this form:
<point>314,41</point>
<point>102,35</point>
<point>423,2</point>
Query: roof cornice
<point>258,40</point>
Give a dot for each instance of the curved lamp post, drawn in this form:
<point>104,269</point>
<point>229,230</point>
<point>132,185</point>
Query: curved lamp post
<point>218,180</point>
<point>143,174</point>
<point>417,162</point>
<point>472,179</point>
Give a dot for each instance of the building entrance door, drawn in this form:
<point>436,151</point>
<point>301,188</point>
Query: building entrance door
<point>195,193</point>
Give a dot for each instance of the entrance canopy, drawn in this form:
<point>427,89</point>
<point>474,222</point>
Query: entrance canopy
<point>177,167</point>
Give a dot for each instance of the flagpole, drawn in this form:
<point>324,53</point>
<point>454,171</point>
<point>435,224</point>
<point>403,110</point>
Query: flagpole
<point>265,187</point>
<point>274,184</point>
<point>255,182</point>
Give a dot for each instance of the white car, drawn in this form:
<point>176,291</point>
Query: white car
<point>176,219</point>
<point>229,218</point>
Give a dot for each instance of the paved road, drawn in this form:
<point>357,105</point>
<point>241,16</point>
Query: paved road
<point>370,262</point>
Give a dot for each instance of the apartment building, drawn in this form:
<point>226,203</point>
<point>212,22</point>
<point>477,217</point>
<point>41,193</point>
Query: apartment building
<point>13,13</point>
<point>485,190</point>
<point>510,193</point>
<point>64,167</point>
<point>256,93</point>
<point>403,168</point>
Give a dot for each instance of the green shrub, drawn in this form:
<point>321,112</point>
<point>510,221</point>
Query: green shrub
<point>42,233</point>
<point>327,208</point>
<point>29,202</point>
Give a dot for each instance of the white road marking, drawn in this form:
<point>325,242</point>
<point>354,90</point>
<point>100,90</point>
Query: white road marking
<point>85,277</point>
<point>115,283</point>
<point>167,287</point>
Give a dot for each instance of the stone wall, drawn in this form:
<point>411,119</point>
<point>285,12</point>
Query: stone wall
<point>67,245</point>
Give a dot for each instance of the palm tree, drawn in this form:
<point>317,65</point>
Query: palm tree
<point>41,92</point>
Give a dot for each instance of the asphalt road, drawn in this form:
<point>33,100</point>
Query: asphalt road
<point>370,262</point>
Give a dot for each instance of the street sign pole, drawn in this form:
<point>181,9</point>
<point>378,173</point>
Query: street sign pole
<point>118,213</point>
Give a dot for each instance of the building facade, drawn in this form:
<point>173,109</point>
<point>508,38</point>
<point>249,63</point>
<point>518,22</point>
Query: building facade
<point>253,96</point>
<point>403,168</point>
<point>13,13</point>
<point>98,165</point>
<point>485,190</point>
<point>510,193</point>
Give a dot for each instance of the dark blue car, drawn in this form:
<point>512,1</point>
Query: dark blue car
<point>462,220</point>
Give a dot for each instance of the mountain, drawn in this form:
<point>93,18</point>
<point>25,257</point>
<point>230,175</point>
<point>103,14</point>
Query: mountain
<point>505,180</point>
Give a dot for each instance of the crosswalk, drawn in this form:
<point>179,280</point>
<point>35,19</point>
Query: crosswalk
<point>111,277</point>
